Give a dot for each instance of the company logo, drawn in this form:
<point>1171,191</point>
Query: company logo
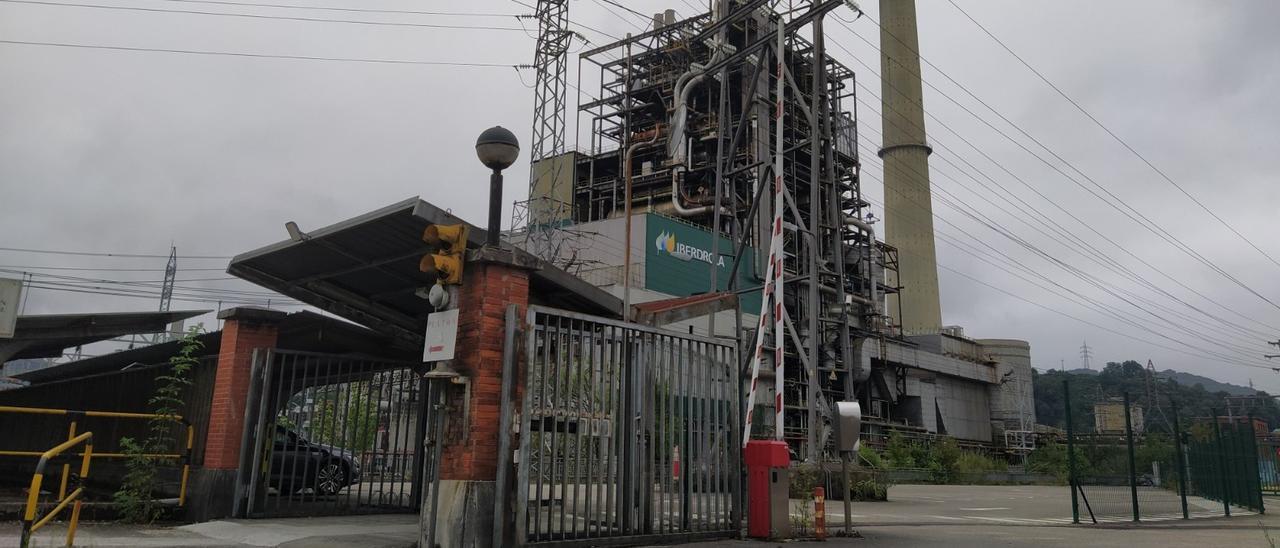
<point>666,243</point>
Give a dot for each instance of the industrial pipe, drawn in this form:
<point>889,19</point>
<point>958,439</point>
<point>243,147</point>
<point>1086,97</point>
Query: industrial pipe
<point>871,236</point>
<point>678,150</point>
<point>683,211</point>
<point>626,246</point>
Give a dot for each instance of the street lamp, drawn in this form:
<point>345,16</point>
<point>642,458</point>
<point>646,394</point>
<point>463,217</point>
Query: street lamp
<point>497,149</point>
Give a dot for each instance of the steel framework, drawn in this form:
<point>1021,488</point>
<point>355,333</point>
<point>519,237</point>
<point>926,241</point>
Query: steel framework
<point>713,109</point>
<point>542,216</point>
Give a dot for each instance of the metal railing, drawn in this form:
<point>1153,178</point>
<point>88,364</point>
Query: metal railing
<point>29,522</point>
<point>183,457</point>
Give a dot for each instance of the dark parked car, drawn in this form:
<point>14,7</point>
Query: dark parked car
<point>298,464</point>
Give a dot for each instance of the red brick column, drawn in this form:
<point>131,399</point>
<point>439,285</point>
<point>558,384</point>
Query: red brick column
<point>245,330</point>
<point>471,450</point>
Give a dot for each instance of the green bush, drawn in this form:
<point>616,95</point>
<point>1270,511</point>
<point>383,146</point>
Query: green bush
<point>804,477</point>
<point>870,458</point>
<point>977,463</point>
<point>868,486</point>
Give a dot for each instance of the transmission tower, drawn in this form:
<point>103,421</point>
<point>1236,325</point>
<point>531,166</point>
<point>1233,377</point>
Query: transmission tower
<point>1151,401</point>
<point>166,291</point>
<point>547,209</point>
<point>1085,355</point>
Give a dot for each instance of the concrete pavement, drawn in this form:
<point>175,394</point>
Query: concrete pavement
<point>372,531</point>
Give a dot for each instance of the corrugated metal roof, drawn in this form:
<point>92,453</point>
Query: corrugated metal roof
<point>304,330</point>
<point>365,269</point>
<point>47,335</point>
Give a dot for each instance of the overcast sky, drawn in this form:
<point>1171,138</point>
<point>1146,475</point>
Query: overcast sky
<point>126,151</point>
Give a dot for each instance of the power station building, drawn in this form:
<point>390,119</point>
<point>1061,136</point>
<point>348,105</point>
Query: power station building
<point>690,127</point>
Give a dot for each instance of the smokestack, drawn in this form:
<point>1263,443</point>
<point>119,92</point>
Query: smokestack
<point>908,203</point>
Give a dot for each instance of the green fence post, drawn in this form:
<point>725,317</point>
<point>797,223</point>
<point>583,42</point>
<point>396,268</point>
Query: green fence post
<point>1071,453</point>
<point>1256,469</point>
<point>1222,465</point>
<point>1182,467</point>
<point>1133,472</point>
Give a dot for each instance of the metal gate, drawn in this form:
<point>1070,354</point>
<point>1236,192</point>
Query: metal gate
<point>332,435</point>
<point>627,433</point>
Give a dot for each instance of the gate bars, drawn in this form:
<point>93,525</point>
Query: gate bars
<point>331,434</point>
<point>627,433</point>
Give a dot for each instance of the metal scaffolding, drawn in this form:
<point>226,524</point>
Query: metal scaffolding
<point>695,119</point>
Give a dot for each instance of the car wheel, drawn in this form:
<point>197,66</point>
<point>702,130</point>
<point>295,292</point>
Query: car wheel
<point>330,478</point>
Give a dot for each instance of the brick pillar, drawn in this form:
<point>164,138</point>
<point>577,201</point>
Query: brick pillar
<point>245,330</point>
<point>488,287</point>
<point>469,461</point>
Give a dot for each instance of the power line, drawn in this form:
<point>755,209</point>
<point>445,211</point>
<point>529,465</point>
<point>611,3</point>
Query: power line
<point>970,211</point>
<point>1114,265</point>
<point>76,268</point>
<point>348,10</point>
<point>1113,135</point>
<point>65,279</point>
<point>1100,307</point>
<point>256,16</point>
<point>99,254</point>
<point>1141,219</point>
<point>1070,235</point>
<point>258,56</point>
<point>620,6</point>
<point>1088,304</point>
<point>1085,250</point>
<point>149,296</point>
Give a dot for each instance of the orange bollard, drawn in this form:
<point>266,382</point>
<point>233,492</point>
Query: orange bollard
<point>820,513</point>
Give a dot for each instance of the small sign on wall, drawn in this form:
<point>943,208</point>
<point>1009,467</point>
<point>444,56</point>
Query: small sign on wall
<point>442,333</point>
<point>10,297</point>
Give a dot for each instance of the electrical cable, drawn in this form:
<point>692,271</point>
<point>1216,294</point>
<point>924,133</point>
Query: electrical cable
<point>969,211</point>
<point>160,269</point>
<point>1086,250</point>
<point>1113,135</point>
<point>1071,234</point>
<point>348,10</point>
<point>1098,306</point>
<point>1141,219</point>
<point>267,17</point>
<point>256,55</point>
<point>100,254</point>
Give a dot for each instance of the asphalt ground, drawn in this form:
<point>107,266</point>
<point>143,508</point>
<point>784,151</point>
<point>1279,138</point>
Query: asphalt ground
<point>962,516</point>
<point>946,516</point>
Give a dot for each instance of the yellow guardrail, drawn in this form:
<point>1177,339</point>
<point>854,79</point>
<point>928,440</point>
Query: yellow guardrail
<point>29,522</point>
<point>183,457</point>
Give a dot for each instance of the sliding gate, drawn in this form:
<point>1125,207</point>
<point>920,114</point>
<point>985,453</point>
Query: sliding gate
<point>628,433</point>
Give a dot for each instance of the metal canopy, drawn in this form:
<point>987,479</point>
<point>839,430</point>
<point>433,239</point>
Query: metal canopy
<point>303,331</point>
<point>365,269</point>
<point>47,335</point>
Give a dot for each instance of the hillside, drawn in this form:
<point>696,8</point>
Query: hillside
<point>1191,379</point>
<point>1195,396</point>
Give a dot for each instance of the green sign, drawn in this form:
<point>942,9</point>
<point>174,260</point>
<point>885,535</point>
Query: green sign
<point>678,261</point>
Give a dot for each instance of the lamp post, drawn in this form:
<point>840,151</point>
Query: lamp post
<point>497,149</point>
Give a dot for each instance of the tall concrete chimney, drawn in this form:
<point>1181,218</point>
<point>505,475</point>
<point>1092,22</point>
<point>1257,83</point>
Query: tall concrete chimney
<point>908,203</point>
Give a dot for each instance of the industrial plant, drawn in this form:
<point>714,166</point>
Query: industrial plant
<point>721,157</point>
